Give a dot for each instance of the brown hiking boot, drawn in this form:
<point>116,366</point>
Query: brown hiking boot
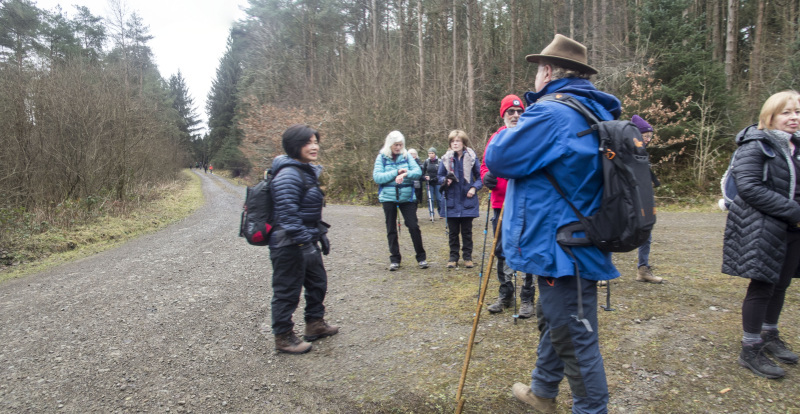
<point>452,265</point>
<point>524,394</point>
<point>289,343</point>
<point>499,305</point>
<point>645,275</point>
<point>318,328</point>
<point>468,264</point>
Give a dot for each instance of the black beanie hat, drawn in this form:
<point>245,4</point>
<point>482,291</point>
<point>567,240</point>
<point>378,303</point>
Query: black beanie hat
<point>296,137</point>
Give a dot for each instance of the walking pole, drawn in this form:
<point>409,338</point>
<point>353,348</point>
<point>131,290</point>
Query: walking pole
<point>430,202</point>
<point>477,319</point>
<point>516,314</point>
<point>485,231</point>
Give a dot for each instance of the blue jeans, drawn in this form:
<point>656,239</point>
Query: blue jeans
<point>644,252</point>
<point>566,347</point>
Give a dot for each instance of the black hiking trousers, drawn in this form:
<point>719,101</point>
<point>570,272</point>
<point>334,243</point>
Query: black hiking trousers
<point>293,270</point>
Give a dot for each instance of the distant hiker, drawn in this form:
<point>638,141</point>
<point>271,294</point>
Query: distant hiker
<point>211,168</point>
<point>430,169</point>
<point>511,107</point>
<point>460,176</point>
<point>294,243</point>
<point>762,231</point>
<point>205,168</point>
<point>546,139</point>
<point>418,182</point>
<point>644,273</point>
<point>394,172</point>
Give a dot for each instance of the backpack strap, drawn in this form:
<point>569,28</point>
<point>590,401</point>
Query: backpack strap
<point>575,104</point>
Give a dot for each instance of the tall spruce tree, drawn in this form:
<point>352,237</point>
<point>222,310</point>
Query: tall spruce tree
<point>183,103</point>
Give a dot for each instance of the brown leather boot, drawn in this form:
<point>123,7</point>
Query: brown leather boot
<point>289,343</point>
<point>646,275</point>
<point>318,328</point>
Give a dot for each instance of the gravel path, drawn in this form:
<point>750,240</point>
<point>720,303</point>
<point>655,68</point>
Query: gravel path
<point>172,322</point>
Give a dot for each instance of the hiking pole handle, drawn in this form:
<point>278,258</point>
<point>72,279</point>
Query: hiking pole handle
<point>477,317</point>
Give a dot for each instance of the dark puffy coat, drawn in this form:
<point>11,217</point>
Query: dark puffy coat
<point>431,168</point>
<point>761,213</point>
<point>298,202</point>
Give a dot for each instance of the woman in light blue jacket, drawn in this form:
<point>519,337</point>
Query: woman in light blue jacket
<point>395,172</point>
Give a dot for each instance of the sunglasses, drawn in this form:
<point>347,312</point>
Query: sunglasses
<point>515,111</point>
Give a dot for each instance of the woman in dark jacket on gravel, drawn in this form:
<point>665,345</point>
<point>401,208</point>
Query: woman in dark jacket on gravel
<point>460,177</point>
<point>762,232</point>
<point>294,251</point>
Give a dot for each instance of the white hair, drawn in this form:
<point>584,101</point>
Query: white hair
<point>391,139</point>
<point>413,152</point>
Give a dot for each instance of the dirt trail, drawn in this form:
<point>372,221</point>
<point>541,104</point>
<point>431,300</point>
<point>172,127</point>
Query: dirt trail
<point>171,322</point>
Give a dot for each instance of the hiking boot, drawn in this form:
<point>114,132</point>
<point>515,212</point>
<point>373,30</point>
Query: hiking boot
<point>318,328</point>
<point>468,264</point>
<point>394,266</point>
<point>752,357</point>
<point>451,265</point>
<point>289,343</point>
<point>526,310</point>
<point>774,346</point>
<point>646,275</point>
<point>499,305</point>
<point>423,264</point>
<point>524,394</point>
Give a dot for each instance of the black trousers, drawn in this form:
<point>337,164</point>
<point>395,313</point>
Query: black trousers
<point>764,301</point>
<point>291,272</point>
<point>409,212</point>
<point>504,274</point>
<point>462,226</point>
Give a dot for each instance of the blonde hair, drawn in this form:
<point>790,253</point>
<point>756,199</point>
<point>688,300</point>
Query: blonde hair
<point>457,133</point>
<point>391,139</point>
<point>774,105</point>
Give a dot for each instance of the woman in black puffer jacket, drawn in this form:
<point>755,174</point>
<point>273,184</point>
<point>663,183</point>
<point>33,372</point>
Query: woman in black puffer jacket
<point>762,232</point>
<point>293,244</point>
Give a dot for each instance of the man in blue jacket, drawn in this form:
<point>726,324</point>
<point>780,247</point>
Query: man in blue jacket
<point>545,139</point>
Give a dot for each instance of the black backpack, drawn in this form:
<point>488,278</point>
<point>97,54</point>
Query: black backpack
<point>258,211</point>
<point>627,212</point>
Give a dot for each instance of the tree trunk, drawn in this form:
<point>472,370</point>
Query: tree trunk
<point>514,47</point>
<point>455,61</point>
<point>595,32</point>
<point>716,35</point>
<point>420,45</point>
<point>731,38</point>
<point>470,72</point>
<point>755,56</point>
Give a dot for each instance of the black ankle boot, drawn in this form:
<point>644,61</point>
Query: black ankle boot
<point>774,346</point>
<point>752,357</point>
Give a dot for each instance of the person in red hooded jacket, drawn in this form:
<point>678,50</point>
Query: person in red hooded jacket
<point>511,108</point>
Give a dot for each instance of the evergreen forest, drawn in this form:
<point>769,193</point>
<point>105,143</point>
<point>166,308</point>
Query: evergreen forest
<point>86,116</point>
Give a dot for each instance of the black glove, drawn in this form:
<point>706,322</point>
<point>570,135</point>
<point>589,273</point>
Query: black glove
<point>325,244</point>
<point>489,180</point>
<point>451,176</point>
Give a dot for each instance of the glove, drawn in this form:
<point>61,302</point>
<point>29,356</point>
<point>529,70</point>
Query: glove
<point>325,244</point>
<point>489,180</point>
<point>451,176</point>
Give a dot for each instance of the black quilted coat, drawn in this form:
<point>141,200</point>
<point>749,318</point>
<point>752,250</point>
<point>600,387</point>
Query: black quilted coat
<point>298,202</point>
<point>763,210</point>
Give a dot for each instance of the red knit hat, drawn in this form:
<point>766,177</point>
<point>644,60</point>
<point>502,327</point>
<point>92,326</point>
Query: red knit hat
<point>508,102</point>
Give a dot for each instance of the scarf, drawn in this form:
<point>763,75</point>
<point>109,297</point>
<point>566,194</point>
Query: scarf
<point>468,158</point>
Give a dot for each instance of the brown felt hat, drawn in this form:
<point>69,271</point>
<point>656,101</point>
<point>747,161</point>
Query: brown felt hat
<point>566,53</point>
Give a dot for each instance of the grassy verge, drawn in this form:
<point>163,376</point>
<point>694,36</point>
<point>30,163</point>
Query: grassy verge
<point>29,251</point>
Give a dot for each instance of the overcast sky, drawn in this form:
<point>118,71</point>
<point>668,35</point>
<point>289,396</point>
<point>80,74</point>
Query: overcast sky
<point>188,35</point>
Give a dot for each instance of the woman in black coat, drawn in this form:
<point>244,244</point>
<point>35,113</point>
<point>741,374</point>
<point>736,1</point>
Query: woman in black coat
<point>294,250</point>
<point>762,232</point>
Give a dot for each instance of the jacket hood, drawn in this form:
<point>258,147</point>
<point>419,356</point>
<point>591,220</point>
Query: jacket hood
<point>750,133</point>
<point>283,160</point>
<point>582,89</point>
